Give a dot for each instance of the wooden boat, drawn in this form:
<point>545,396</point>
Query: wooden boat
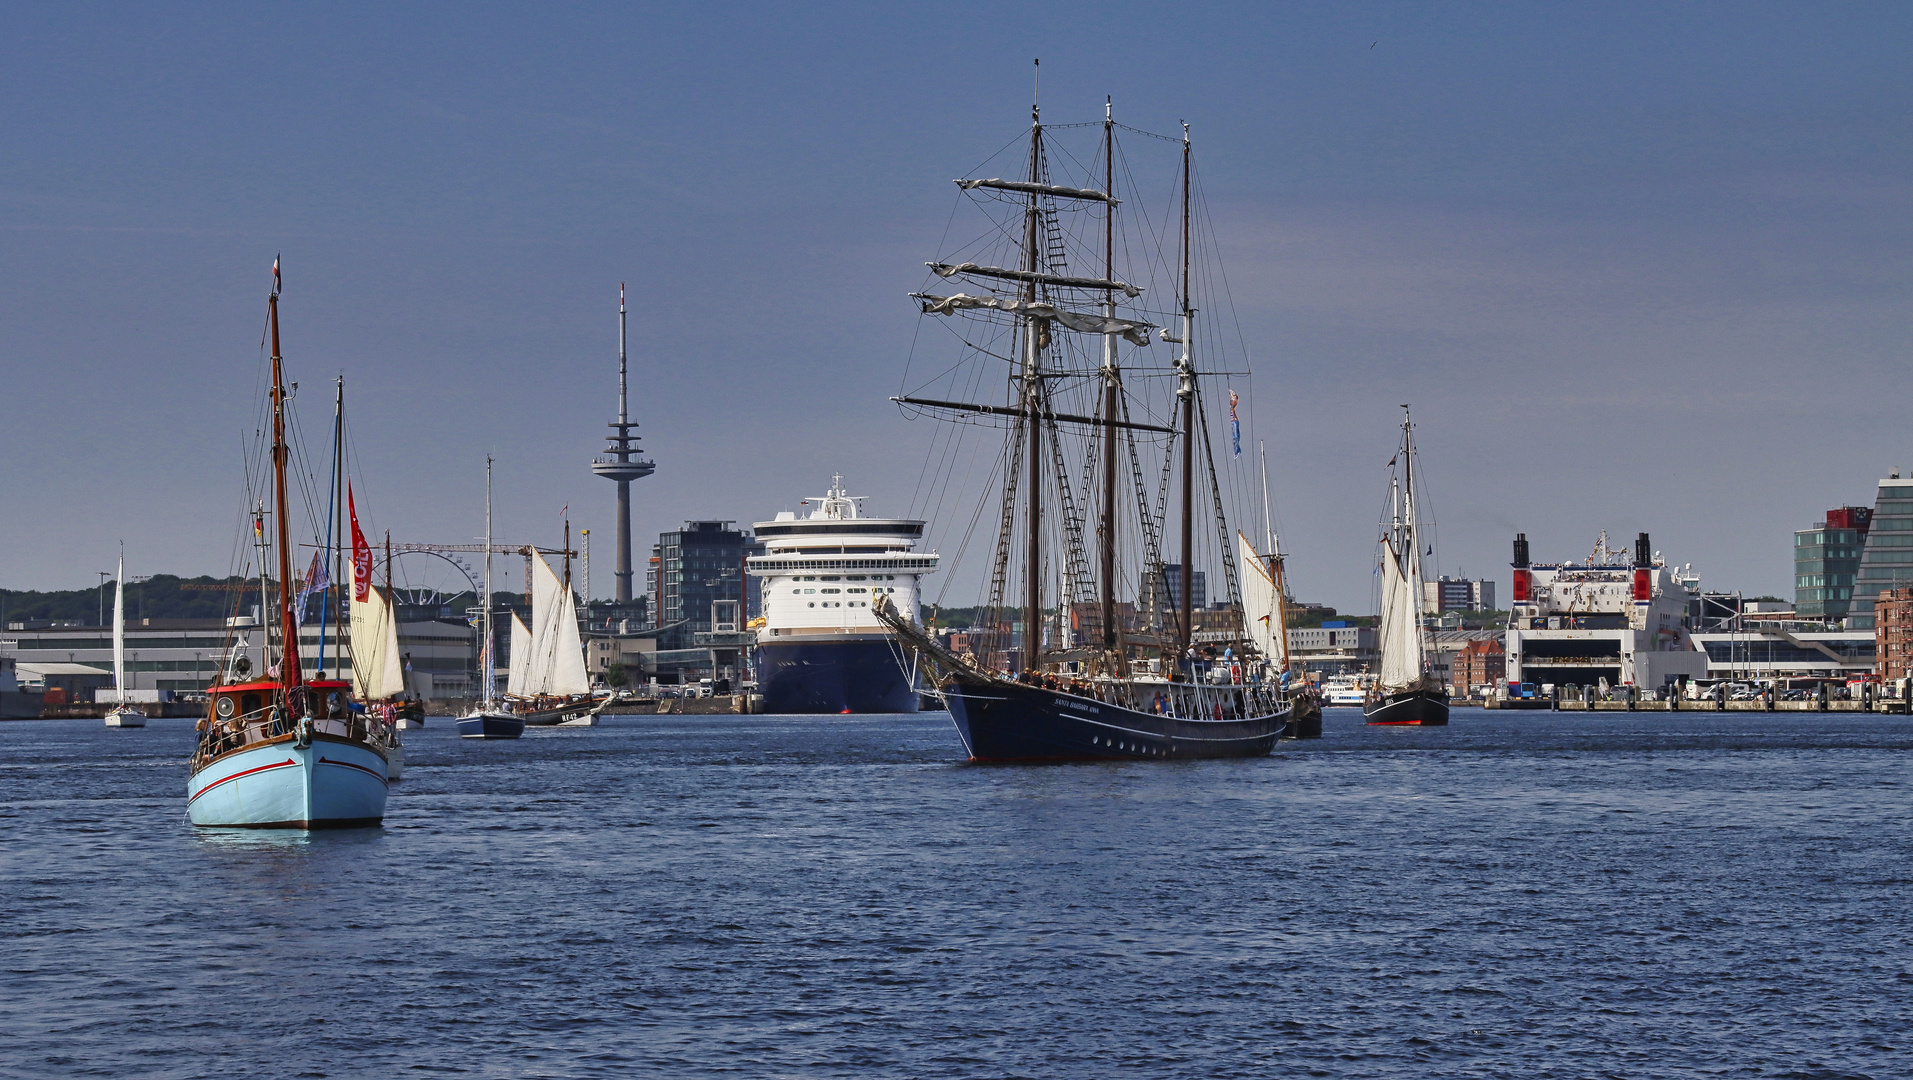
<point>285,752</point>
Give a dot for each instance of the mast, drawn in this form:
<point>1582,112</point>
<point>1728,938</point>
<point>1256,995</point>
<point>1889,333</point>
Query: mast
<point>1275,562</point>
<point>490,660</point>
<point>119,626</point>
<point>289,674</point>
<point>1112,388</point>
<point>335,527</point>
<point>1032,396</point>
<point>1186,390</point>
<point>1411,566</point>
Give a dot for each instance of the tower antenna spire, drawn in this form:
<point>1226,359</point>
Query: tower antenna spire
<point>623,462</point>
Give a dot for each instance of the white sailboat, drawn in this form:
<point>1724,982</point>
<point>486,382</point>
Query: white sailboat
<point>547,683</point>
<point>489,720</point>
<point>1406,692</point>
<point>123,713</point>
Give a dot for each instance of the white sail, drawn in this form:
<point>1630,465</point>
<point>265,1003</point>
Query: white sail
<point>376,670</point>
<point>515,676</point>
<point>558,660</point>
<point>1401,631</point>
<point>1261,616</point>
<point>119,632</point>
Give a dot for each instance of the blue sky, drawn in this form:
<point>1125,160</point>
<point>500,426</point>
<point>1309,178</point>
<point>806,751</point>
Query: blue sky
<point>1639,267</point>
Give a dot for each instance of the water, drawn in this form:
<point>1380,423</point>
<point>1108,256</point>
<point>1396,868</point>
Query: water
<point>1519,895</point>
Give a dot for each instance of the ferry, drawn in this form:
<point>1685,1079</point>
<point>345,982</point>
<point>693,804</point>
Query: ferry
<point>1344,691</point>
<point>820,648</point>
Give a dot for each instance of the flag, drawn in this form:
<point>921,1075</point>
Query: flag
<point>315,580</point>
<point>1235,426</point>
<point>275,275</point>
<point>361,554</point>
<point>259,528</point>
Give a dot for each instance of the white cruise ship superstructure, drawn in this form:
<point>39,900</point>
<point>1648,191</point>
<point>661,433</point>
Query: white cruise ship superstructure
<point>820,649</point>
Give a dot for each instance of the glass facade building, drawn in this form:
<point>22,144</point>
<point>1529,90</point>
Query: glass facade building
<point>1826,564</point>
<point>698,565</point>
<point>1887,560</point>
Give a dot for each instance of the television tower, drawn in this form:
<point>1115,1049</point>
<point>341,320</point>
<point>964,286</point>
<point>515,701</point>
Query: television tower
<point>623,465</point>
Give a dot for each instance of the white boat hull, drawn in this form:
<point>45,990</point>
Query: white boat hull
<point>125,717</point>
<point>283,786</point>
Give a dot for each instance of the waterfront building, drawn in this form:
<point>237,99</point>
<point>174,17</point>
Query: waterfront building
<point>1479,666</point>
<point>1608,620</point>
<point>1826,563</point>
<point>1773,649</point>
<point>1893,633</point>
<point>174,656</point>
<point>1169,589</point>
<point>1334,648</point>
<point>698,566</point>
<point>1457,594</point>
<point>1886,560</point>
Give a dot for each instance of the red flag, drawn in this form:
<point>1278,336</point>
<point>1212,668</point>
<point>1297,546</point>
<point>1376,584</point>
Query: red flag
<point>361,554</point>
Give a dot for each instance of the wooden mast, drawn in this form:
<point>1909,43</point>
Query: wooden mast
<point>1186,390</point>
<point>1032,401</point>
<point>1112,388</point>
<point>289,674</point>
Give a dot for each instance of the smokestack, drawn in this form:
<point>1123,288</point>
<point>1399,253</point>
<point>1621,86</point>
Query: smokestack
<point>1523,577</point>
<point>1643,570</point>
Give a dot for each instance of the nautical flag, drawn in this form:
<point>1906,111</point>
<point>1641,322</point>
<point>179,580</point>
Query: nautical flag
<point>315,580</point>
<point>361,554</point>
<point>259,528</point>
<point>275,275</point>
<point>1235,425</point>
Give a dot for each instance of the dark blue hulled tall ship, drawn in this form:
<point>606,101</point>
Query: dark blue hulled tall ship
<point>821,648</point>
<point>1090,643</point>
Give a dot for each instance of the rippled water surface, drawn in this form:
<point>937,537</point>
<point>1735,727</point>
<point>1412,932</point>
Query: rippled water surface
<point>1518,895</point>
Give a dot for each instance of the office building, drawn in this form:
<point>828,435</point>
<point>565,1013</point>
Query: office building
<point>699,576</point>
<point>1457,594</point>
<point>1886,560</point>
<point>1826,563</point>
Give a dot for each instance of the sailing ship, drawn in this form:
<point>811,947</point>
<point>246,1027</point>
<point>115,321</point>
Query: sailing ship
<point>283,751</point>
<point>545,682</point>
<point>1265,600</point>
<point>489,720</point>
<point>1045,695</point>
<point>123,714</point>
<point>1405,692</point>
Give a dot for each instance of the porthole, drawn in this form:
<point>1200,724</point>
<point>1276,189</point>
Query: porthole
<point>224,708</point>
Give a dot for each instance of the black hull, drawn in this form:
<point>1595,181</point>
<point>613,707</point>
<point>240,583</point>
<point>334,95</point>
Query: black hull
<point>1423,708</point>
<point>1015,722</point>
<point>553,717</point>
<point>860,675</point>
<point>1305,719</point>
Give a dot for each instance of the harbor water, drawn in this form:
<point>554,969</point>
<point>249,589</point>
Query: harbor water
<point>1517,894</point>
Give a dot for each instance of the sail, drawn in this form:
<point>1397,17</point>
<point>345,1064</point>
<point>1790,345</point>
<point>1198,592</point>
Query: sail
<point>558,659</point>
<point>515,677</point>
<point>1261,616</point>
<point>376,670</point>
<point>1401,624</point>
<point>1137,333</point>
<point>119,632</point>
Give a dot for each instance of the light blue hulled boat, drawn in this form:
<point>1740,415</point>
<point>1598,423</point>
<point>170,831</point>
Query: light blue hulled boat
<point>285,752</point>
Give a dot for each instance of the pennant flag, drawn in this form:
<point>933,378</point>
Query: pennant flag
<point>1235,426</point>
<point>361,554</point>
<point>275,275</point>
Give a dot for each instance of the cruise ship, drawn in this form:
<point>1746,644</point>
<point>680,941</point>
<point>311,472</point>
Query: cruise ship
<point>819,648</point>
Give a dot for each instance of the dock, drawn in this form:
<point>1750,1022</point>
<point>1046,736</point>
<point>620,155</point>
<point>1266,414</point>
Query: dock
<point>1890,706</point>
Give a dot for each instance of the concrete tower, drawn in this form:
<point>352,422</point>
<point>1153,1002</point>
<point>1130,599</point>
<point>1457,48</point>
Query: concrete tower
<point>623,464</point>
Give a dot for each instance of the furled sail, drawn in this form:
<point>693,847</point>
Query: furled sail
<point>557,663</point>
<point>1260,598</point>
<point>376,668</point>
<point>516,683</point>
<point>1137,333</point>
<point>1038,189</point>
<point>1063,281</point>
<point>119,632</point>
<point>1401,623</point>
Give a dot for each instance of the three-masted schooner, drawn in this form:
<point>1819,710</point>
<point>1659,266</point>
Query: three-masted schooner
<point>1406,692</point>
<point>1133,689</point>
<point>284,751</point>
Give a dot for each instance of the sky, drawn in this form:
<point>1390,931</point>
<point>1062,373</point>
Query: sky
<point>1639,267</point>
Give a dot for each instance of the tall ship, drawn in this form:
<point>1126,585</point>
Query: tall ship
<point>821,647</point>
<point>1406,690</point>
<point>1091,645</point>
<point>277,749</point>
